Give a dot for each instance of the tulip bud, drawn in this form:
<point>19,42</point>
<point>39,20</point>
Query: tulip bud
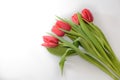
<point>57,31</point>
<point>86,14</point>
<point>75,19</point>
<point>50,45</point>
<point>50,41</point>
<point>63,25</point>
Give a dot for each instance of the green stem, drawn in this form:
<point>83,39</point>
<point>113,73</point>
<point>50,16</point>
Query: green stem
<point>88,58</point>
<point>95,41</point>
<point>113,57</point>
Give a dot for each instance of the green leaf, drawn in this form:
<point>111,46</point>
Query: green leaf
<point>58,51</point>
<point>63,58</point>
<point>83,55</point>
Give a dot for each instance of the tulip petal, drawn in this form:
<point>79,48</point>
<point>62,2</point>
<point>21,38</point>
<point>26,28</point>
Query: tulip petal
<point>50,45</point>
<point>51,39</point>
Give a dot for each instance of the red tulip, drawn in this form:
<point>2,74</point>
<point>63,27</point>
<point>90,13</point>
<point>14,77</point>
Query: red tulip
<point>49,45</point>
<point>87,15</point>
<point>50,41</point>
<point>62,25</point>
<point>75,19</point>
<point>56,30</point>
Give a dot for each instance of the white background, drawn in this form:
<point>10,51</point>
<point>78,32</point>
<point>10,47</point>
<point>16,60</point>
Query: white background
<point>24,22</point>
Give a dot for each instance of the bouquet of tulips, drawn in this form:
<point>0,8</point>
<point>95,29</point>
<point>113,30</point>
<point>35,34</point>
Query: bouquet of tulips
<point>86,40</point>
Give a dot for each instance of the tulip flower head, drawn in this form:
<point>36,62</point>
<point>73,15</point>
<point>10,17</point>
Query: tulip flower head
<point>87,15</point>
<point>75,19</point>
<point>57,31</point>
<point>50,41</point>
<point>62,25</point>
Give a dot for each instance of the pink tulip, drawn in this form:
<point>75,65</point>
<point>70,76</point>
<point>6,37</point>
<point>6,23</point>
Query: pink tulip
<point>75,19</point>
<point>50,41</point>
<point>63,25</point>
<point>60,25</point>
<point>87,15</point>
<point>50,45</point>
<point>57,31</point>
